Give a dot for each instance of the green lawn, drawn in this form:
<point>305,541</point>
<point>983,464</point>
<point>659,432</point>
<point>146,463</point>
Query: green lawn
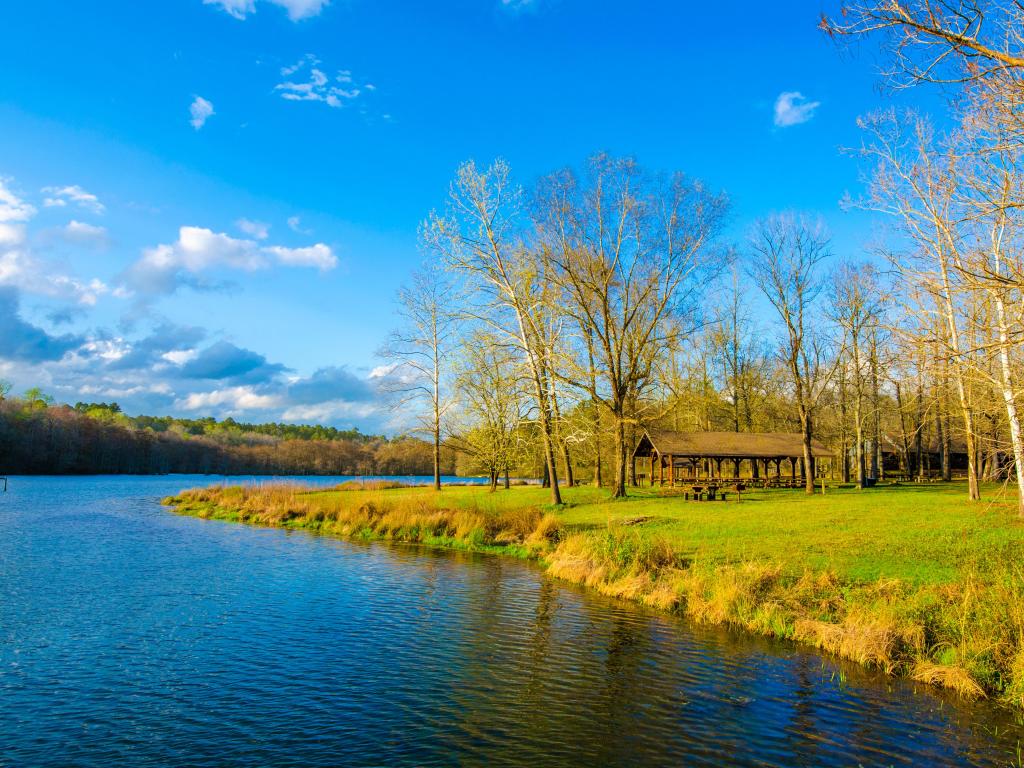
<point>918,533</point>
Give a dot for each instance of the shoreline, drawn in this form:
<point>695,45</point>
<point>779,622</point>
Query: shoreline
<point>885,624</point>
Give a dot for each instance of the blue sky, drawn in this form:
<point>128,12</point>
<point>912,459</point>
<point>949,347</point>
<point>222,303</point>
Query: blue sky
<point>207,207</point>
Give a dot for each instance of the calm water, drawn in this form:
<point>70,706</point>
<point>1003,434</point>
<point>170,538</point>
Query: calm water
<point>131,636</point>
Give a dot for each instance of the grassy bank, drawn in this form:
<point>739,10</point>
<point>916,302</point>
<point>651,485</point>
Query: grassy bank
<point>913,580</point>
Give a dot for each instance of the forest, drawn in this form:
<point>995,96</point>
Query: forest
<point>551,322</point>
<point>38,436</point>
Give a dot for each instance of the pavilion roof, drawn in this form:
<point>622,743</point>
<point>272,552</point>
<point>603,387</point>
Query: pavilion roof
<point>731,445</point>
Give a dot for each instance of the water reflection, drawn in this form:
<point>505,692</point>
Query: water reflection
<point>130,635</point>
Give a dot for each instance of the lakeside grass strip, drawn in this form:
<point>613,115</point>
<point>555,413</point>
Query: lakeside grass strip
<point>915,582</point>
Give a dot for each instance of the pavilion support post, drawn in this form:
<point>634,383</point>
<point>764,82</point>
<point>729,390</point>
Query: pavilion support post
<point>650,477</point>
<point>753,469</point>
<point>736,468</point>
<point>671,471</point>
<point>632,474</point>
<point>778,468</point>
<point>661,471</point>
<point>718,468</point>
<point>792,466</point>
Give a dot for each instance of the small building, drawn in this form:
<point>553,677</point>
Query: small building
<point>672,456</point>
<point>906,460</point>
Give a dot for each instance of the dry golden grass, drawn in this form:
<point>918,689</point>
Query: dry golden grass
<point>411,518</point>
<point>954,678</point>
<point>371,485</point>
<point>872,640</point>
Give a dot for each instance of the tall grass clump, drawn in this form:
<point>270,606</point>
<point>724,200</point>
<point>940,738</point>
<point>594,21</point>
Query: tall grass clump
<point>371,485</point>
<point>525,532</point>
<point>621,562</point>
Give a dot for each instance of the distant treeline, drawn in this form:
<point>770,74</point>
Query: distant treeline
<point>39,437</point>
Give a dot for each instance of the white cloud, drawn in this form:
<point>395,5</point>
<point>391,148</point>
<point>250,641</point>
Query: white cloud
<point>297,9</point>
<point>295,225</point>
<point>11,235</point>
<point>164,268</point>
<point>109,350</point>
<point>18,265</point>
<point>12,207</point>
<point>61,196</point>
<point>233,398</point>
<point>382,371</point>
<point>329,411</point>
<point>518,5</point>
<point>180,356</point>
<point>200,111</point>
<point>81,232</point>
<point>199,248</point>
<point>258,229</point>
<point>318,86</point>
<point>320,256</point>
<point>237,8</point>
<point>791,108</point>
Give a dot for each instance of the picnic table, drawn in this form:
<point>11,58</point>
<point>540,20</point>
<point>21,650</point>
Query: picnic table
<point>700,491</point>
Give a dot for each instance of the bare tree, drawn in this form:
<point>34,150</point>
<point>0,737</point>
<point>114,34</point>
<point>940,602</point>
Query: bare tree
<point>493,395</point>
<point>975,44</point>
<point>740,352</point>
<point>480,237</point>
<point>420,350</point>
<point>625,249</point>
<point>856,305</point>
<point>786,254</point>
<point>916,184</point>
<point>993,188</point>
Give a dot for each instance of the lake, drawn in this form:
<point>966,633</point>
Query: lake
<point>132,636</point>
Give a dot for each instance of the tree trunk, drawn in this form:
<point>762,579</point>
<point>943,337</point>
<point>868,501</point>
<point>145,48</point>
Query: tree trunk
<point>947,438</point>
<point>919,436</point>
<point>630,463</point>
<point>620,456</point>
<point>973,488</point>
<point>877,462</point>
<point>858,430</point>
<point>437,455</point>
<point>904,440</point>
<point>1010,400</point>
<point>567,463</point>
<point>843,441</point>
<point>547,438</point>
<point>437,419</point>
<point>563,447</point>
<point>805,420</point>
<point>940,436</point>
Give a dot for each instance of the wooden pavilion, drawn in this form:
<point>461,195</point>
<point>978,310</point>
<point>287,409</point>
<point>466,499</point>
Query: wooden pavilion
<point>683,456</point>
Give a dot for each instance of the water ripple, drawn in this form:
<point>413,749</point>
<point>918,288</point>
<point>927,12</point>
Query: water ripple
<point>129,636</point>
